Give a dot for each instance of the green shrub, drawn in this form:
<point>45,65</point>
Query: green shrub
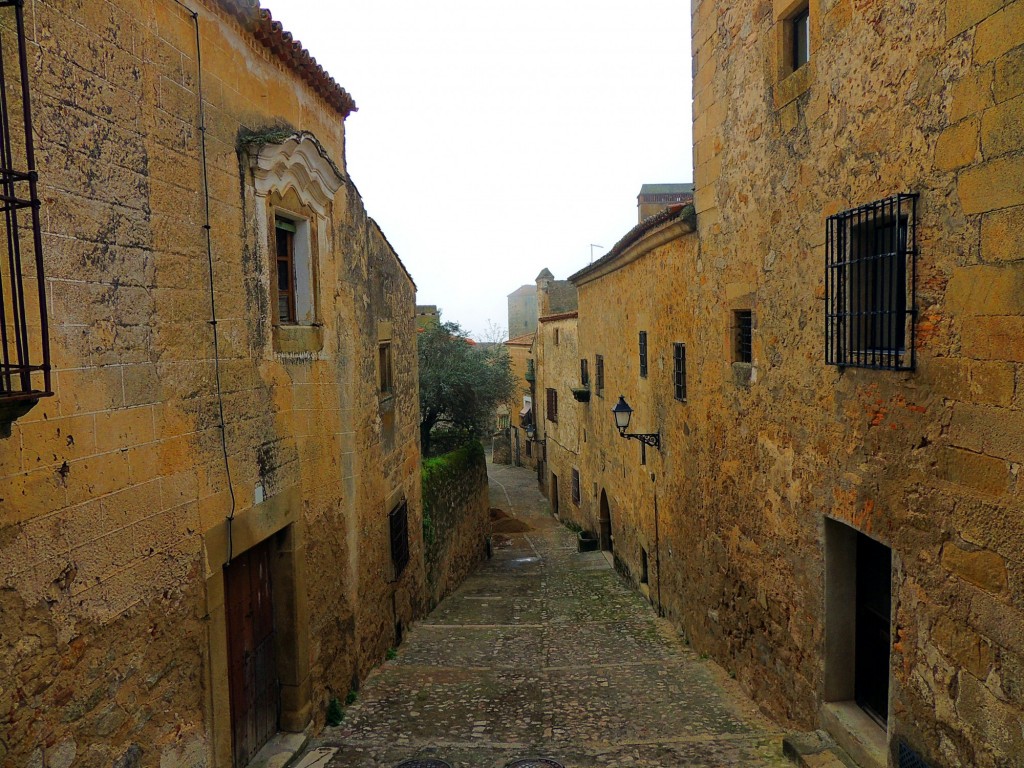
<point>335,714</point>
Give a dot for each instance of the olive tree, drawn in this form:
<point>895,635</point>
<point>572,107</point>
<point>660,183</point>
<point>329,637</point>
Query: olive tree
<point>461,382</point>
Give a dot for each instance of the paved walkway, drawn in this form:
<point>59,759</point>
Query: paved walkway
<point>544,652</point>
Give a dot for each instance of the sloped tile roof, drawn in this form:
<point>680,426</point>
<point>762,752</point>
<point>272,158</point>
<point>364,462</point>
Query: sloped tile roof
<point>260,24</point>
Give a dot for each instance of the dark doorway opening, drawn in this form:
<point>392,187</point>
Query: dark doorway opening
<point>874,603</point>
<point>554,494</point>
<point>252,665</point>
<point>606,523</point>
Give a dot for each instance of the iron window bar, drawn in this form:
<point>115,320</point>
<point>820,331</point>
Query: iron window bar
<point>23,353</point>
<point>679,371</point>
<point>743,336</point>
<point>871,285</point>
<point>643,354</point>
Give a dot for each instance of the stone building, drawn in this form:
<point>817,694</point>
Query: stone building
<point>654,198</point>
<point>210,529</point>
<point>829,349</point>
<point>522,311</point>
<point>520,407</point>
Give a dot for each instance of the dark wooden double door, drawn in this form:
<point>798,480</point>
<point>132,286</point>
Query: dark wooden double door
<point>252,666</point>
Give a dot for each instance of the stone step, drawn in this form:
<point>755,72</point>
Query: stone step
<point>815,749</point>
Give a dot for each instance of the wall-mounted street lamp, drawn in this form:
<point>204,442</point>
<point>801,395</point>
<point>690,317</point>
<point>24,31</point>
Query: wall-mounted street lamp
<point>531,432</point>
<point>622,413</point>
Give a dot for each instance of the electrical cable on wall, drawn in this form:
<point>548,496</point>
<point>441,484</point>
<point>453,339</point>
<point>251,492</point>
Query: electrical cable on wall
<point>213,301</point>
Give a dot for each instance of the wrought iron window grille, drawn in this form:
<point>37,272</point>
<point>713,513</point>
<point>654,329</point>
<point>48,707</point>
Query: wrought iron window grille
<point>679,371</point>
<point>743,336</point>
<point>599,374</point>
<point>643,354</point>
<point>24,335</point>
<point>870,285</point>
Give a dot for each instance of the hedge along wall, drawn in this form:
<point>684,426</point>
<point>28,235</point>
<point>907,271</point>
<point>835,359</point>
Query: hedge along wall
<point>456,517</point>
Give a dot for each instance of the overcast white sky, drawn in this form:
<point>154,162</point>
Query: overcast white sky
<point>493,140</point>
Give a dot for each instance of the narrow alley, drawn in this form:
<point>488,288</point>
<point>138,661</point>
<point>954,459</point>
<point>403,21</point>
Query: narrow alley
<point>546,653</point>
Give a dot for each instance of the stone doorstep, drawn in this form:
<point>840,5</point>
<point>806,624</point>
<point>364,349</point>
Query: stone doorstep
<point>816,749</point>
<point>282,748</point>
<point>860,737</point>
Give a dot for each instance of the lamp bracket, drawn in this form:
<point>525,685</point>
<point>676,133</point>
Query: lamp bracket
<point>653,440</point>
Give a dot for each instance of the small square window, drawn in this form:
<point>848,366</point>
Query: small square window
<point>599,374</point>
<point>679,371</point>
<point>800,34</point>
<point>643,354</point>
<point>552,404</point>
<point>743,336</point>
<point>576,487</point>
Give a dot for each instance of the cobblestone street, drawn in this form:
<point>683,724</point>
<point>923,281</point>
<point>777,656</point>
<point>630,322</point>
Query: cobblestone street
<point>545,652</point>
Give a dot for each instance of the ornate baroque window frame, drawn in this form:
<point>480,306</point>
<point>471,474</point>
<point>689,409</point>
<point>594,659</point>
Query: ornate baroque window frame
<point>296,168</point>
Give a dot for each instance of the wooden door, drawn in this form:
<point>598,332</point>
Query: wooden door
<point>873,636</point>
<point>252,667</point>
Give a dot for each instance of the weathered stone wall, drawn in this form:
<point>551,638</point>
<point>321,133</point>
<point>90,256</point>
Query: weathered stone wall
<point>897,97</point>
<point>112,521</point>
<point>558,368</point>
<point>519,351</point>
<point>456,517</point>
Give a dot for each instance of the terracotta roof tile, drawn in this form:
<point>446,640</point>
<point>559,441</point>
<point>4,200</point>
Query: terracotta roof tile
<point>260,24</point>
<point>559,316</point>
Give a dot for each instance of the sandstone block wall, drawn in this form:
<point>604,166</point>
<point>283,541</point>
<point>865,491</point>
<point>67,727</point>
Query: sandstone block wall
<point>457,518</point>
<point>115,495</point>
<point>896,98</point>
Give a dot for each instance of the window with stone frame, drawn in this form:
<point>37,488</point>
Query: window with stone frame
<point>552,405</point>
<point>679,371</point>
<point>870,292</point>
<point>295,184</point>
<point>385,368</point>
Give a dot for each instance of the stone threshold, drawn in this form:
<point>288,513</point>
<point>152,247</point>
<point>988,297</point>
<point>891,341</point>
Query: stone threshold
<point>816,749</point>
<point>281,750</point>
<point>864,740</point>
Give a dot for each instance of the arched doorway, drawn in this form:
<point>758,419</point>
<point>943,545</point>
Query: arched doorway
<point>606,523</point>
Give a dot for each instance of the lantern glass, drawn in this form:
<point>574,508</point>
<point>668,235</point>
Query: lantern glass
<point>622,413</point>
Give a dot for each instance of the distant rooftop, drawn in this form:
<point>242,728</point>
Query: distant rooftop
<point>665,189</point>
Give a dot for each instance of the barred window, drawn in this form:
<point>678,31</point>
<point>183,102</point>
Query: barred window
<point>743,336</point>
<point>24,337</point>
<point>552,405</point>
<point>599,374</point>
<point>399,524</point>
<point>584,373</point>
<point>679,371</point>
<point>870,255</point>
<point>643,354</point>
<point>576,487</point>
